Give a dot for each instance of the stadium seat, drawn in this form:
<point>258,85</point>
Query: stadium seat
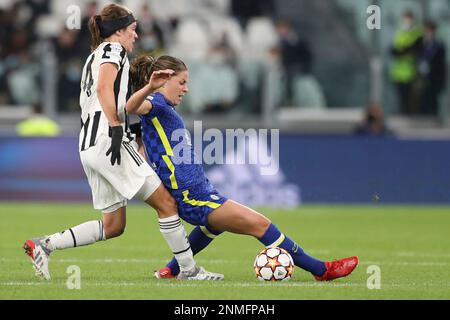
<point>191,40</point>
<point>219,25</point>
<point>195,100</point>
<point>222,83</point>
<point>307,92</point>
<point>443,32</point>
<point>260,37</point>
<point>210,84</point>
<point>24,88</point>
<point>172,9</point>
<point>48,26</point>
<point>134,5</point>
<point>439,9</point>
<point>250,72</point>
<point>6,4</point>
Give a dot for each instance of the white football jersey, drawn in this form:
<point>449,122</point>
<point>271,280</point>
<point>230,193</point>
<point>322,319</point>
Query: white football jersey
<point>93,119</point>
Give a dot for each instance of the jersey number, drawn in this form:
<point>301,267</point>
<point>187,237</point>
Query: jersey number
<point>88,80</point>
<point>106,51</point>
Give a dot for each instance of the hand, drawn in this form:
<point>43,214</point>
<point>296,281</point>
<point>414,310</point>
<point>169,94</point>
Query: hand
<point>136,129</point>
<point>159,78</point>
<point>116,141</point>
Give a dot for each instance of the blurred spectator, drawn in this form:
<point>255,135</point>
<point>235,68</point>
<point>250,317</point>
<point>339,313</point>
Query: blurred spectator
<point>374,123</point>
<point>3,33</point>
<point>22,79</point>
<point>295,54</point>
<point>172,11</point>
<point>405,50</point>
<point>243,10</point>
<point>70,67</point>
<point>84,37</point>
<point>16,26</point>
<point>19,70</point>
<point>37,125</point>
<point>38,8</point>
<point>151,36</point>
<point>432,69</point>
<point>5,95</point>
<point>213,7</point>
<point>221,80</point>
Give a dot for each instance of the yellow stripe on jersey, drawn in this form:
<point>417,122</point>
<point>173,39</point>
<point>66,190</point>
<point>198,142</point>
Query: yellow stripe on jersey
<point>169,151</point>
<point>199,203</point>
<point>207,233</point>
<point>173,180</point>
<point>162,136</point>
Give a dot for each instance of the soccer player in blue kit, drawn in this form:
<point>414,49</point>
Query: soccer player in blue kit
<point>199,203</point>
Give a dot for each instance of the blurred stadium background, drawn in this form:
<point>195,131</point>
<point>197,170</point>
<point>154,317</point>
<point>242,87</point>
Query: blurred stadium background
<point>310,68</point>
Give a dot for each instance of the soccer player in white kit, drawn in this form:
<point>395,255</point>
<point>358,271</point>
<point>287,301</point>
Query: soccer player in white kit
<point>115,170</point>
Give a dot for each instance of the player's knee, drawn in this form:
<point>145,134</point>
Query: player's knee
<point>114,230</point>
<point>260,226</point>
<point>265,223</point>
<point>163,202</point>
<point>167,206</point>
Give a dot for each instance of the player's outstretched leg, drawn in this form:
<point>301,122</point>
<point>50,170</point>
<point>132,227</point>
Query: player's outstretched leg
<point>322,271</point>
<point>39,253</point>
<point>234,217</point>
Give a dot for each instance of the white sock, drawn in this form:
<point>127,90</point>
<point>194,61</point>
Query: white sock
<point>175,234</point>
<point>81,235</point>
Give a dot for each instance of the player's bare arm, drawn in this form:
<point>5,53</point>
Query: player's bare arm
<point>105,92</point>
<point>137,103</point>
<point>139,109</point>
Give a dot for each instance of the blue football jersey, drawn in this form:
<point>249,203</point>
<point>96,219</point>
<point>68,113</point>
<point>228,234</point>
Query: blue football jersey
<point>177,171</point>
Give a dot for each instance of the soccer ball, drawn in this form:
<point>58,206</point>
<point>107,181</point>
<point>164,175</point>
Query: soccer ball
<point>274,264</point>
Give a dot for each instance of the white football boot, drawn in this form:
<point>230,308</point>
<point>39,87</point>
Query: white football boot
<point>199,274</point>
<point>39,254</point>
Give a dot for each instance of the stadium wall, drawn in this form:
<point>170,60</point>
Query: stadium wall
<point>313,169</point>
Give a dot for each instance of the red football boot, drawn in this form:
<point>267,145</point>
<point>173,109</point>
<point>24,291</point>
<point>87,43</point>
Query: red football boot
<point>164,273</point>
<point>338,269</point>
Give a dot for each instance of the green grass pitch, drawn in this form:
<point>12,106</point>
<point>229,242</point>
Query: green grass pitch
<point>410,245</point>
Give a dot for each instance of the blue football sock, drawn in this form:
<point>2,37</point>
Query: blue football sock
<point>199,238</point>
<point>274,238</point>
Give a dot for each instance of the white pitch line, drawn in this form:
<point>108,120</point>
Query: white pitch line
<point>224,262</point>
<point>334,253</point>
<point>302,284</point>
<point>406,263</point>
<point>143,261</point>
<point>422,254</point>
<point>225,284</point>
<point>170,283</point>
<point>19,283</point>
<point>259,284</point>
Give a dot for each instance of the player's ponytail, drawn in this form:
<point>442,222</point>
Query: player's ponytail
<point>95,31</point>
<point>141,71</point>
<point>110,14</point>
<point>142,67</point>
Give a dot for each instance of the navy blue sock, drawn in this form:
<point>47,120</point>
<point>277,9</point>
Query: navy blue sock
<point>199,238</point>
<point>274,238</point>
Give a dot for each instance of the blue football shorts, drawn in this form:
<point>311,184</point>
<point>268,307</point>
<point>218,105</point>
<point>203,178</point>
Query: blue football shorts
<point>195,203</point>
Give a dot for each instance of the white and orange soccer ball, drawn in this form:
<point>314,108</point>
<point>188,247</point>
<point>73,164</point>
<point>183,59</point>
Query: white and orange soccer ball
<point>274,264</point>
